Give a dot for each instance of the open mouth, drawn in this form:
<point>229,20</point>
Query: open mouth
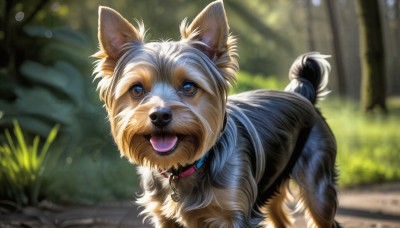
<point>163,144</point>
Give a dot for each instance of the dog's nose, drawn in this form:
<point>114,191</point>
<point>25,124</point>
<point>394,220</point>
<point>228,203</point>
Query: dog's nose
<point>160,116</point>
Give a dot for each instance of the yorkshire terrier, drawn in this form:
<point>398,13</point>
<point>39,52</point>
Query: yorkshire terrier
<point>207,159</point>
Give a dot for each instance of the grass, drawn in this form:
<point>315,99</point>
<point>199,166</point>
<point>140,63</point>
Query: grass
<point>22,164</point>
<point>246,81</point>
<point>368,146</point>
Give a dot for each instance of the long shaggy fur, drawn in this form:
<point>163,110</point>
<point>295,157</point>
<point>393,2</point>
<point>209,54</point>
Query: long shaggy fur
<point>252,143</point>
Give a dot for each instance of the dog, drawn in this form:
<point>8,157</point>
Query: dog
<point>207,159</point>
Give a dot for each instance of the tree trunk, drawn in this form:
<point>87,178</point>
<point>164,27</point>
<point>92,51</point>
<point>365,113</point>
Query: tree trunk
<point>373,86</point>
<point>310,25</point>
<point>337,46</point>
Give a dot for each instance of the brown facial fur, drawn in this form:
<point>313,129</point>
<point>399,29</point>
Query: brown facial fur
<point>161,68</point>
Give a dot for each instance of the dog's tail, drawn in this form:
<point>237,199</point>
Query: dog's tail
<point>309,76</point>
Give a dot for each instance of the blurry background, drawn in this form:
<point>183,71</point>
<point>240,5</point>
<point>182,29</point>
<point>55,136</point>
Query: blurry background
<point>54,135</point>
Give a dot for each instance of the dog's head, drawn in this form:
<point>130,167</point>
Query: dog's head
<point>165,100</point>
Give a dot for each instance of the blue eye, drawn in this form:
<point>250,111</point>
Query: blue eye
<point>136,91</point>
<point>189,88</point>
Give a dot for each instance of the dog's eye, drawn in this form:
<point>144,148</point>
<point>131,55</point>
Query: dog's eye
<point>189,88</point>
<point>136,91</point>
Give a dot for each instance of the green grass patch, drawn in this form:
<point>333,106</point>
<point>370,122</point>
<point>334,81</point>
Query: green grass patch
<point>368,145</point>
<point>246,81</point>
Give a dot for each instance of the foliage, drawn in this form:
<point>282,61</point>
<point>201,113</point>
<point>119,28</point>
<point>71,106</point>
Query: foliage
<point>45,80</point>
<point>53,89</point>
<point>22,165</point>
<point>30,172</point>
<point>48,82</point>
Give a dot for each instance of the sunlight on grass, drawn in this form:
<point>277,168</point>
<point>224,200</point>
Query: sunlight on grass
<point>368,146</point>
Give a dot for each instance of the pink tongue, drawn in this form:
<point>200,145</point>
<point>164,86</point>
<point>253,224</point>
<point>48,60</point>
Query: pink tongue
<point>163,143</point>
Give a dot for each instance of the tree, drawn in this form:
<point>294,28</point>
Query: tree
<point>337,45</point>
<point>373,87</point>
<point>310,25</point>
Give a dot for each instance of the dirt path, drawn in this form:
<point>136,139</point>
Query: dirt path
<point>372,206</point>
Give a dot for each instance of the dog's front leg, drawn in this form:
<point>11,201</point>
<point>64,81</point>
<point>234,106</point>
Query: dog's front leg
<point>218,216</point>
<point>152,211</point>
<point>160,221</point>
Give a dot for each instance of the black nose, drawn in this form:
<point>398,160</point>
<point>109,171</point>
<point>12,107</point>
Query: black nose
<point>160,116</point>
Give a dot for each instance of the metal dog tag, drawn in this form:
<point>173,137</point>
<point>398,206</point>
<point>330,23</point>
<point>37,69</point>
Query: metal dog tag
<point>175,197</point>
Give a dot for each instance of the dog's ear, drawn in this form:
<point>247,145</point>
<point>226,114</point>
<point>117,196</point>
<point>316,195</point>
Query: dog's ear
<point>212,28</point>
<point>114,31</point>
